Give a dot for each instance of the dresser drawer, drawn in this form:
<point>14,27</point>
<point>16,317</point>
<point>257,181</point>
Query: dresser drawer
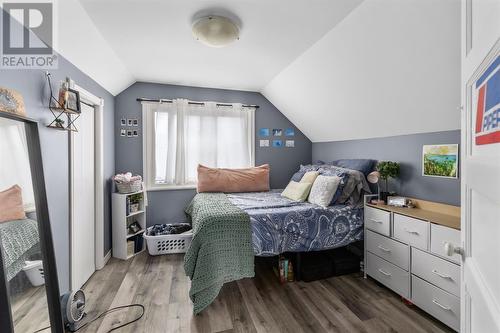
<point>412,231</point>
<point>442,273</point>
<point>388,274</point>
<point>388,249</point>
<point>439,236</point>
<point>442,305</point>
<point>378,220</point>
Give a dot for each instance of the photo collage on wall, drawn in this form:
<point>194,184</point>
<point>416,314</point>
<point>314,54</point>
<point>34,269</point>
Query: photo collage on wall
<point>276,135</point>
<point>132,127</point>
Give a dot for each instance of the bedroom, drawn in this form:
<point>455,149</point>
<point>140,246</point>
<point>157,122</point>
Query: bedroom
<point>249,166</point>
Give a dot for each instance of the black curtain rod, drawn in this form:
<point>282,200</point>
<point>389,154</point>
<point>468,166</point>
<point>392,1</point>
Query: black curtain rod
<point>143,99</point>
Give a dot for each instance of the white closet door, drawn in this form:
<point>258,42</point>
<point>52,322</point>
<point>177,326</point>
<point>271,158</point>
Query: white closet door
<point>83,200</point>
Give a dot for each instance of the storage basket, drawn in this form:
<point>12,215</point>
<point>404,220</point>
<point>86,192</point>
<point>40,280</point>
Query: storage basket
<point>168,244</point>
<point>34,271</point>
<point>133,186</point>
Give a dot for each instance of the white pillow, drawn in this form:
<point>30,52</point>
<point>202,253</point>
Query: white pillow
<point>323,190</point>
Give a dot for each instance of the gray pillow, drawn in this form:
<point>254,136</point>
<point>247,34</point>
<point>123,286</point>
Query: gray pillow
<point>364,165</point>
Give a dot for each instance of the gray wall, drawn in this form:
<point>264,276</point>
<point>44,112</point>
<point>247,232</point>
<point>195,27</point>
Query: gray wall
<point>168,205</point>
<point>54,143</point>
<point>406,149</point>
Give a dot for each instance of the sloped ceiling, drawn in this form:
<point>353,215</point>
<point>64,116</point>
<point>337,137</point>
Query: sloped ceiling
<point>340,70</point>
<point>389,68</point>
<point>154,40</point>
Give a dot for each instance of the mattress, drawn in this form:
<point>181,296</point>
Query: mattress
<point>281,225</point>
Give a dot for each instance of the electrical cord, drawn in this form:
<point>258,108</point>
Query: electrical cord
<point>136,305</point>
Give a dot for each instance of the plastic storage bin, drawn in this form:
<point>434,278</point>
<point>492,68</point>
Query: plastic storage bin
<point>34,271</point>
<point>168,244</point>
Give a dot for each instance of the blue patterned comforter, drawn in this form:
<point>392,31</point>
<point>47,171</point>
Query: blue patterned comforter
<point>282,225</point>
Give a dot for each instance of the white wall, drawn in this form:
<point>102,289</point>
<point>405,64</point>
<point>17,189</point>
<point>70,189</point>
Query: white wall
<point>390,67</point>
<point>79,41</point>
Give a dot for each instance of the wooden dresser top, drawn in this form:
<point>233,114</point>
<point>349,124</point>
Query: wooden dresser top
<point>434,212</point>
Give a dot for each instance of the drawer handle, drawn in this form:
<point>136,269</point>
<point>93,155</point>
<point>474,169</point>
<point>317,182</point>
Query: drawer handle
<point>376,221</point>
<point>441,275</point>
<point>383,248</point>
<point>413,232</point>
<point>441,305</point>
<point>385,273</point>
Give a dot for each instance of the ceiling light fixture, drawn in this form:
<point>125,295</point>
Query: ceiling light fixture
<point>216,31</point>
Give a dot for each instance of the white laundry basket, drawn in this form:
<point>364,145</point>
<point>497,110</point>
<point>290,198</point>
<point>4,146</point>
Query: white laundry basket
<point>168,244</point>
<point>34,271</point>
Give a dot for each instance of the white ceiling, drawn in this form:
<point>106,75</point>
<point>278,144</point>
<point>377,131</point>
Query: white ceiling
<point>153,39</point>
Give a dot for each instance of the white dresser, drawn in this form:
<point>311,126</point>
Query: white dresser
<point>405,251</point>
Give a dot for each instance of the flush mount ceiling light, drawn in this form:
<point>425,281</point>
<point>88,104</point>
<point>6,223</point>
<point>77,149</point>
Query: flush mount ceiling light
<point>216,31</point>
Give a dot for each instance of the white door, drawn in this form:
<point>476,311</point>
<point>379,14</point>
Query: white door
<point>481,166</point>
<point>82,199</point>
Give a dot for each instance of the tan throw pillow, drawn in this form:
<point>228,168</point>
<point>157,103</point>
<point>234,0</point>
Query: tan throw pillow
<point>11,204</point>
<point>323,190</point>
<point>297,191</point>
<point>233,180</point>
<point>309,177</point>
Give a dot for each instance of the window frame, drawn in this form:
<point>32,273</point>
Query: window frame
<point>148,150</point>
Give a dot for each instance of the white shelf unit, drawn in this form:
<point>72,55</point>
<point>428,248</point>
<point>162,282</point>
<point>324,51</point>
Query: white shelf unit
<point>122,219</point>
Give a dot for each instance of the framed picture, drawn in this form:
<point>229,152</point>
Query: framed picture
<point>135,122</point>
<point>263,143</point>
<point>11,101</point>
<point>123,132</point>
<point>264,132</point>
<point>440,161</point>
<point>289,132</point>
<point>123,122</point>
<point>129,133</point>
<point>277,143</point>
<point>130,122</point>
<point>135,133</point>
<point>277,132</point>
<point>290,143</point>
<point>73,102</point>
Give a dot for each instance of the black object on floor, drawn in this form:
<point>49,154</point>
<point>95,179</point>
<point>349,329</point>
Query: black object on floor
<point>324,264</point>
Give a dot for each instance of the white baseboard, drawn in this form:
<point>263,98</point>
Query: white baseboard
<point>104,261</point>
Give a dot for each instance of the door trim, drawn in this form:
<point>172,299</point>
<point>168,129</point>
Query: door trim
<point>99,182</point>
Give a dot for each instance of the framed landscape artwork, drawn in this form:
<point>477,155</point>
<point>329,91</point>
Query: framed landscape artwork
<point>440,161</point>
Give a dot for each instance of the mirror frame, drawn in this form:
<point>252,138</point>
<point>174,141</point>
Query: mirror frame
<point>44,231</point>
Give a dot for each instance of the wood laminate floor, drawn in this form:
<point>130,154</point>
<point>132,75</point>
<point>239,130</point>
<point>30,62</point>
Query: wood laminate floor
<point>348,303</point>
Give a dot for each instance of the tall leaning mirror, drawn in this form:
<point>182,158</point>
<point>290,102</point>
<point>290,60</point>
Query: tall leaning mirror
<point>29,291</point>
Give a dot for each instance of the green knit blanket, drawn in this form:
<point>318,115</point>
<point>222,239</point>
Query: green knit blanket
<point>221,250</point>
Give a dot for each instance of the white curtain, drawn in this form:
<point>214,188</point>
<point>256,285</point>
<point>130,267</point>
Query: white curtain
<point>187,134</point>
<point>15,165</point>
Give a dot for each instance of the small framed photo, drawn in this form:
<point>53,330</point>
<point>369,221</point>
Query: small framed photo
<point>264,132</point>
<point>73,101</point>
<point>277,143</point>
<point>135,133</point>
<point>264,143</point>
<point>129,133</point>
<point>290,143</point>
<point>123,122</point>
<point>440,161</point>
<point>277,132</point>
<point>289,132</point>
<point>123,132</point>
<point>134,228</point>
<point>135,122</point>
<point>130,122</point>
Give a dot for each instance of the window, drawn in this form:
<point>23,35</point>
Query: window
<point>180,135</point>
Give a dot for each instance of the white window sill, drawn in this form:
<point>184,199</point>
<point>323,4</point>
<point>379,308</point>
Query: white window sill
<point>155,188</point>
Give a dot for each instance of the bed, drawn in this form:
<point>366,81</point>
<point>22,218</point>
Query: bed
<point>281,225</point>
<point>20,242</point>
<point>229,230</point>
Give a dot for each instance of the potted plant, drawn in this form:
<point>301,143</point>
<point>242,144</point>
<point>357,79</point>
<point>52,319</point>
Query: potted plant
<point>387,169</point>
